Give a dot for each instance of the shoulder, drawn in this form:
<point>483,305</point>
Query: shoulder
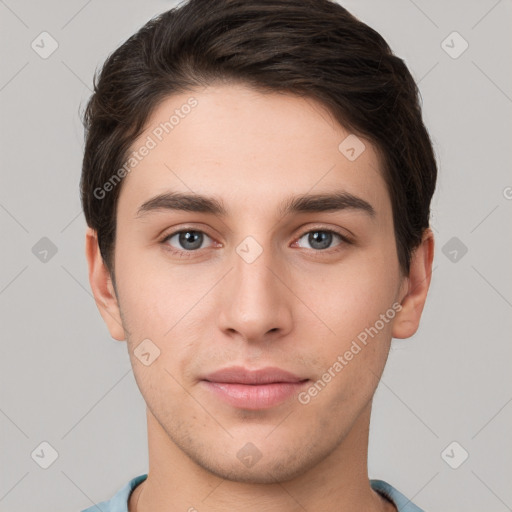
<point>119,502</point>
<point>402,503</point>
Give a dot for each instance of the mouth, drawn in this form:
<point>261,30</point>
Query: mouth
<point>254,389</point>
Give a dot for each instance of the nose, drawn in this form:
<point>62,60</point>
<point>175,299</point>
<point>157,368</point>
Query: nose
<point>256,304</point>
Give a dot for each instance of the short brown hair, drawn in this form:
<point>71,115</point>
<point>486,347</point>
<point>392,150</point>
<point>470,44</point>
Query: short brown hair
<point>311,48</point>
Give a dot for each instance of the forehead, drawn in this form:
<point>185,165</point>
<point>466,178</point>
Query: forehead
<point>252,149</point>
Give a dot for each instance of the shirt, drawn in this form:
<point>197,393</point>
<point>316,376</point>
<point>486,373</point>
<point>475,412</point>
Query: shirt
<point>119,502</point>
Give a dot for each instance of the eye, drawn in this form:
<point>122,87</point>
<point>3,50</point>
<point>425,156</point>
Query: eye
<point>186,240</point>
<point>321,239</point>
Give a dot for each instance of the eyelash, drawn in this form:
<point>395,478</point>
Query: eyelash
<point>188,254</point>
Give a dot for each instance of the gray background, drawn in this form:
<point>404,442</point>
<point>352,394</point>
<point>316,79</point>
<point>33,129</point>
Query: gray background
<point>65,381</point>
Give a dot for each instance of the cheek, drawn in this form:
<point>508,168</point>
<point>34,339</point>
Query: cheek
<point>160,303</point>
<point>351,297</point>
<point>356,303</point>
<point>150,294</point>
<point>351,360</point>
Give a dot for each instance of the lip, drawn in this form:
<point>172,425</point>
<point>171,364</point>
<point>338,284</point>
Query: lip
<point>253,389</point>
<point>241,375</point>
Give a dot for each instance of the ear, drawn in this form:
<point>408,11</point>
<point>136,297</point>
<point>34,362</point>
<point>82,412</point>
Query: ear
<point>416,287</point>
<point>102,288</point>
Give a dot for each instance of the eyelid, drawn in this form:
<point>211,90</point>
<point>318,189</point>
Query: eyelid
<point>328,229</point>
<point>201,228</point>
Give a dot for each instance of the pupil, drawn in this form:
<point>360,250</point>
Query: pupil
<point>188,237</point>
<point>321,238</point>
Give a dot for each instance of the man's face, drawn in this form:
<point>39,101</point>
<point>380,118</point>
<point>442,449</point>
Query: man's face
<point>256,287</point>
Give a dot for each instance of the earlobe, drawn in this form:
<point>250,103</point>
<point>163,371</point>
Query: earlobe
<point>102,287</point>
<point>407,320</point>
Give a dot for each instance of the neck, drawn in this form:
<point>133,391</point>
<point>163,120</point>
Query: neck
<point>337,482</point>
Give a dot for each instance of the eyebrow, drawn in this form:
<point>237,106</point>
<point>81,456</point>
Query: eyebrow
<point>307,203</point>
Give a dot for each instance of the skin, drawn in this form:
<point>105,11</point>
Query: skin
<point>296,306</point>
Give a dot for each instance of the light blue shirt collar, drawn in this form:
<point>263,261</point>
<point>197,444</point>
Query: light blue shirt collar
<point>119,502</point>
